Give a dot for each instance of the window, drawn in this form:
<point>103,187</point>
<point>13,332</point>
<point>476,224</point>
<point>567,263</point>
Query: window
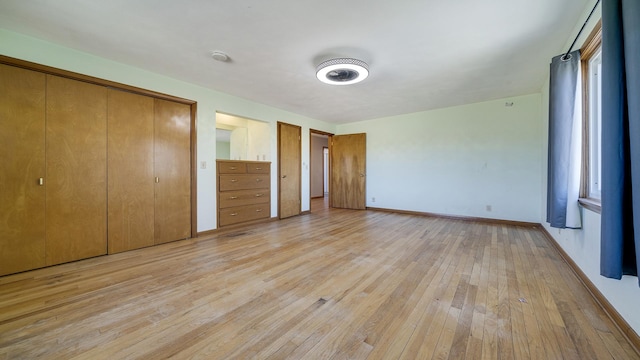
<point>591,54</point>
<point>595,127</point>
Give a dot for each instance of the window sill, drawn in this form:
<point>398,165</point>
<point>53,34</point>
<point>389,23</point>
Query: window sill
<point>591,204</point>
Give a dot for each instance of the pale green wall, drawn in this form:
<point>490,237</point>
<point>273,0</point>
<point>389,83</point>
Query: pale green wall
<point>209,101</point>
<point>223,150</point>
<point>457,160</point>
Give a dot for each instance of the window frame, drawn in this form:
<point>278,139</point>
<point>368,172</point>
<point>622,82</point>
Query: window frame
<point>591,46</point>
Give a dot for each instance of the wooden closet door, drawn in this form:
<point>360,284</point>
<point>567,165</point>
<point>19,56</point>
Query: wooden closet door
<point>130,169</point>
<point>76,158</point>
<point>348,171</point>
<point>173,171</point>
<point>22,198</point>
<point>289,173</point>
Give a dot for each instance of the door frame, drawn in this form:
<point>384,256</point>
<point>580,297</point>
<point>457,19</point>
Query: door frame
<point>329,138</point>
<point>325,170</point>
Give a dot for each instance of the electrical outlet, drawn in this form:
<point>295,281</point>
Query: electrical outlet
<point>489,208</point>
<point>373,199</point>
<point>203,164</point>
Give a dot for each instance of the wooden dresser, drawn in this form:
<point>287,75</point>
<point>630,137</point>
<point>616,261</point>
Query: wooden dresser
<point>244,191</point>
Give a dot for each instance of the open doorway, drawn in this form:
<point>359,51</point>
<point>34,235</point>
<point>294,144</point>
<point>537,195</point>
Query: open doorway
<point>319,170</point>
<point>325,171</point>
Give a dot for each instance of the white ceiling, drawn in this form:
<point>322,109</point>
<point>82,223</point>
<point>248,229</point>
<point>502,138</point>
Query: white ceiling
<point>422,54</point>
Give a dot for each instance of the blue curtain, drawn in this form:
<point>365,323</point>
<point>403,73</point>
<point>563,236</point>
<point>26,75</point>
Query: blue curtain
<point>563,180</point>
<point>620,246</point>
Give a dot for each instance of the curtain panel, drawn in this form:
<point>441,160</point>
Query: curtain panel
<point>565,119</point>
<point>620,237</point>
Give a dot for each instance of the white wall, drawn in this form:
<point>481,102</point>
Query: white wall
<point>458,160</point>
<point>259,146</point>
<point>238,144</point>
<point>583,245</point>
<point>209,101</point>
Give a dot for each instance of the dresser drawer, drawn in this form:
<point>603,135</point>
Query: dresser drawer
<point>243,182</point>
<point>243,197</point>
<point>232,167</point>
<point>240,214</point>
<point>258,168</point>
<point>244,191</point>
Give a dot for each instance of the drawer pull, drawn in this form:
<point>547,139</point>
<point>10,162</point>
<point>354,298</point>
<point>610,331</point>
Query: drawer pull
<point>232,197</point>
<point>258,210</point>
<point>258,168</point>
<point>41,181</point>
<point>258,180</point>
<point>233,214</point>
<point>234,180</point>
<point>259,195</point>
<point>232,168</point>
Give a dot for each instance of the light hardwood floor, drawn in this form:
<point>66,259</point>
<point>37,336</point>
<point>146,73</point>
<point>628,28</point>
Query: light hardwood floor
<point>335,284</point>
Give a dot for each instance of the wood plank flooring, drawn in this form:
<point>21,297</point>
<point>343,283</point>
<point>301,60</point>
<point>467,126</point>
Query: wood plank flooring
<point>336,284</point>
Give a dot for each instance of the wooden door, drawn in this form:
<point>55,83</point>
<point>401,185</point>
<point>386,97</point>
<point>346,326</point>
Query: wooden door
<point>76,181</point>
<point>172,171</point>
<point>131,175</point>
<point>348,171</point>
<point>22,198</point>
<point>289,173</point>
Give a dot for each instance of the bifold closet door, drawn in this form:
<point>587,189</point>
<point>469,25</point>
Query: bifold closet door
<point>130,169</point>
<point>172,171</point>
<point>22,194</point>
<point>76,180</point>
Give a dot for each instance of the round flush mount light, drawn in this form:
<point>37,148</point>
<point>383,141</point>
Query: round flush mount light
<point>343,71</point>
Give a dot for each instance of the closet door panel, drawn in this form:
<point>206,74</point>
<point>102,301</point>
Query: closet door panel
<point>76,158</point>
<point>130,169</point>
<point>173,171</point>
<point>22,198</point>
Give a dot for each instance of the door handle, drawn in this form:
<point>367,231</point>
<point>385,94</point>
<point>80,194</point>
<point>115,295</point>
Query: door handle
<point>41,181</point>
<point>361,175</point>
<point>284,176</point>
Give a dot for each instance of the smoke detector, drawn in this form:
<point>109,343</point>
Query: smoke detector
<point>219,56</point>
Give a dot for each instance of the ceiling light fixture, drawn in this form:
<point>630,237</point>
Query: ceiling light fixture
<point>342,71</point>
